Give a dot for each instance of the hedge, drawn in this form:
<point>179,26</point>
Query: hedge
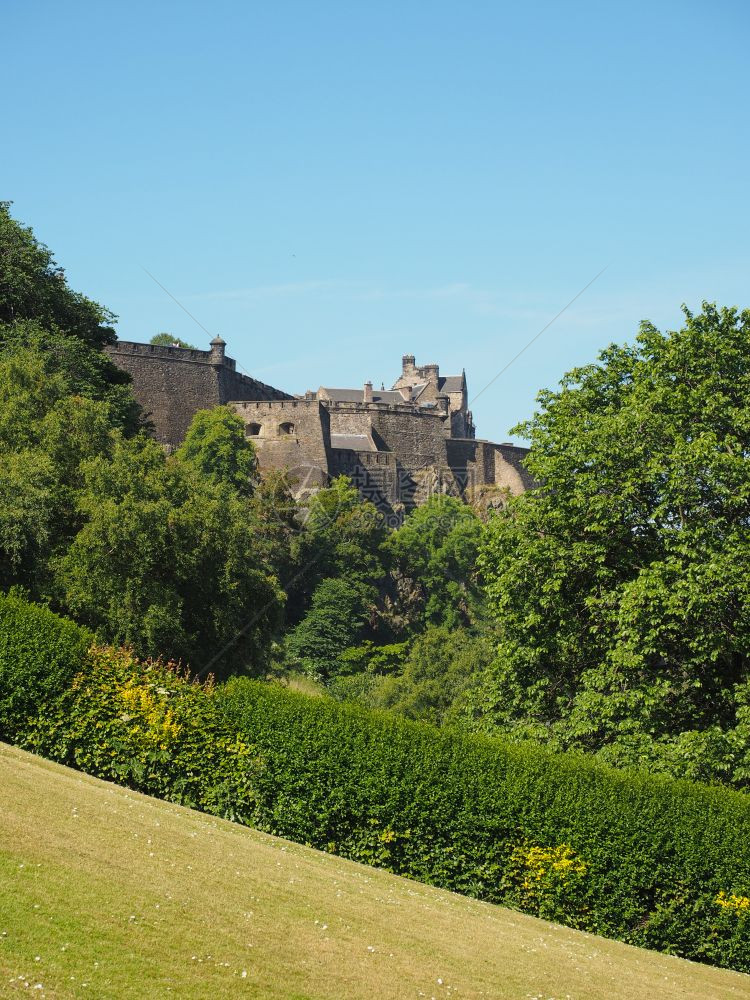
<point>646,859</point>
<point>147,726</point>
<point>40,652</point>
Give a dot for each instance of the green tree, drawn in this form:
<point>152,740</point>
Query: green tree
<point>342,537</point>
<point>34,287</point>
<point>167,563</point>
<point>621,586</point>
<point>276,525</point>
<point>442,665</point>
<point>436,550</point>
<point>45,435</point>
<point>334,621</point>
<point>27,502</point>
<point>216,446</point>
<point>28,391</point>
<point>169,340</point>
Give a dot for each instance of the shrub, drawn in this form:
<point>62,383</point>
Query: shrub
<point>40,653</point>
<point>626,854</point>
<point>547,881</point>
<point>144,725</point>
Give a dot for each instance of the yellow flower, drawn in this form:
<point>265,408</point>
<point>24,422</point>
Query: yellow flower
<point>732,902</point>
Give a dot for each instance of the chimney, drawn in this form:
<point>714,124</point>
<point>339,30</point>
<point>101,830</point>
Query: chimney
<point>218,347</point>
<point>431,373</point>
<point>407,364</point>
<point>367,394</point>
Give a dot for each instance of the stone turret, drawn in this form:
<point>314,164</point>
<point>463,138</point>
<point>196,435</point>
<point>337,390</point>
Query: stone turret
<point>218,350</point>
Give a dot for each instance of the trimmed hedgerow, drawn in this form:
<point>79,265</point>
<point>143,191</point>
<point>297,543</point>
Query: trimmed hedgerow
<point>146,726</point>
<point>642,858</point>
<point>646,859</point>
<point>40,652</point>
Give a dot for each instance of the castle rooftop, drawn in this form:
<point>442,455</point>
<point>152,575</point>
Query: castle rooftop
<point>358,395</point>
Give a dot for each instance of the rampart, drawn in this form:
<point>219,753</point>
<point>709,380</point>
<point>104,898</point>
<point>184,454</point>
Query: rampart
<point>396,445</point>
<point>171,383</point>
<point>478,463</point>
<point>291,434</point>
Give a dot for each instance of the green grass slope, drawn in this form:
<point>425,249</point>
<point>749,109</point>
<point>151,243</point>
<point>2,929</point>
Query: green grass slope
<point>105,893</point>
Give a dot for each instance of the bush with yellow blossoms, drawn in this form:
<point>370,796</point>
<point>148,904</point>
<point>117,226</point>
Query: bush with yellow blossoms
<point>144,724</point>
<point>547,881</point>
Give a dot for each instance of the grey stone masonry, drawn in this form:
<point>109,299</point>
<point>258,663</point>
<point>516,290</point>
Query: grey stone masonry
<point>399,446</point>
<point>171,383</point>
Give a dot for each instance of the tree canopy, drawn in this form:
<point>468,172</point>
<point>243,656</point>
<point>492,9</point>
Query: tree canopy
<point>33,286</point>
<point>620,586</point>
<point>435,550</point>
<point>169,340</point>
<point>216,446</point>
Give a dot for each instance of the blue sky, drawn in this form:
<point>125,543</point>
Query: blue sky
<point>331,185</point>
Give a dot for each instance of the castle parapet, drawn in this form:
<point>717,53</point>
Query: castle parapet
<point>172,383</point>
<point>132,348</point>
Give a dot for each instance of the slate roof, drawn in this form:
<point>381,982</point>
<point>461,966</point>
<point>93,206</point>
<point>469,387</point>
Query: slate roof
<point>353,442</point>
<point>356,395</point>
<point>451,383</point>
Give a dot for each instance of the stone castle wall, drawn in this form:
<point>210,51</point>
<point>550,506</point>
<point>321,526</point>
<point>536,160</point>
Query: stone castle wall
<point>478,463</point>
<point>393,427</point>
<point>398,454</point>
<point>171,383</point>
<point>291,434</point>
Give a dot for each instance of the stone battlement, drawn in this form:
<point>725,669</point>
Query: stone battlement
<point>171,353</point>
<point>399,446</point>
<point>411,409</point>
<point>172,383</point>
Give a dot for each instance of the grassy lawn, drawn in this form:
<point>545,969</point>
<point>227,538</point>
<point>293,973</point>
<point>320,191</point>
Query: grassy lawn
<point>105,893</point>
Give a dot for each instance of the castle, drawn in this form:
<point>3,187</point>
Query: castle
<point>399,445</point>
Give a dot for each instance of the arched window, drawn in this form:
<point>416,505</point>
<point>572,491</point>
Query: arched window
<point>286,428</point>
<point>253,430</point>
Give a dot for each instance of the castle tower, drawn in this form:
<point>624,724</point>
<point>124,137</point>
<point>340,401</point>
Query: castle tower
<point>218,351</point>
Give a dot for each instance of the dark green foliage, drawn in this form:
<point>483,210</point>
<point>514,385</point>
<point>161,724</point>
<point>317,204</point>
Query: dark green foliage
<point>620,588</point>
<point>452,809</point>
<point>32,286</point>
<point>334,621</point>
<point>39,655</point>
<point>166,562</point>
<point>27,497</point>
<point>382,660</point>
<point>440,668</point>
<point>47,431</point>
<point>342,537</point>
<point>216,446</point>
<point>363,670</point>
<point>436,551</point>
<point>276,526</point>
<point>74,369</point>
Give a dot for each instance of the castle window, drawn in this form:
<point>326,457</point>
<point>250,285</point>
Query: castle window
<point>253,430</point>
<point>286,428</point>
